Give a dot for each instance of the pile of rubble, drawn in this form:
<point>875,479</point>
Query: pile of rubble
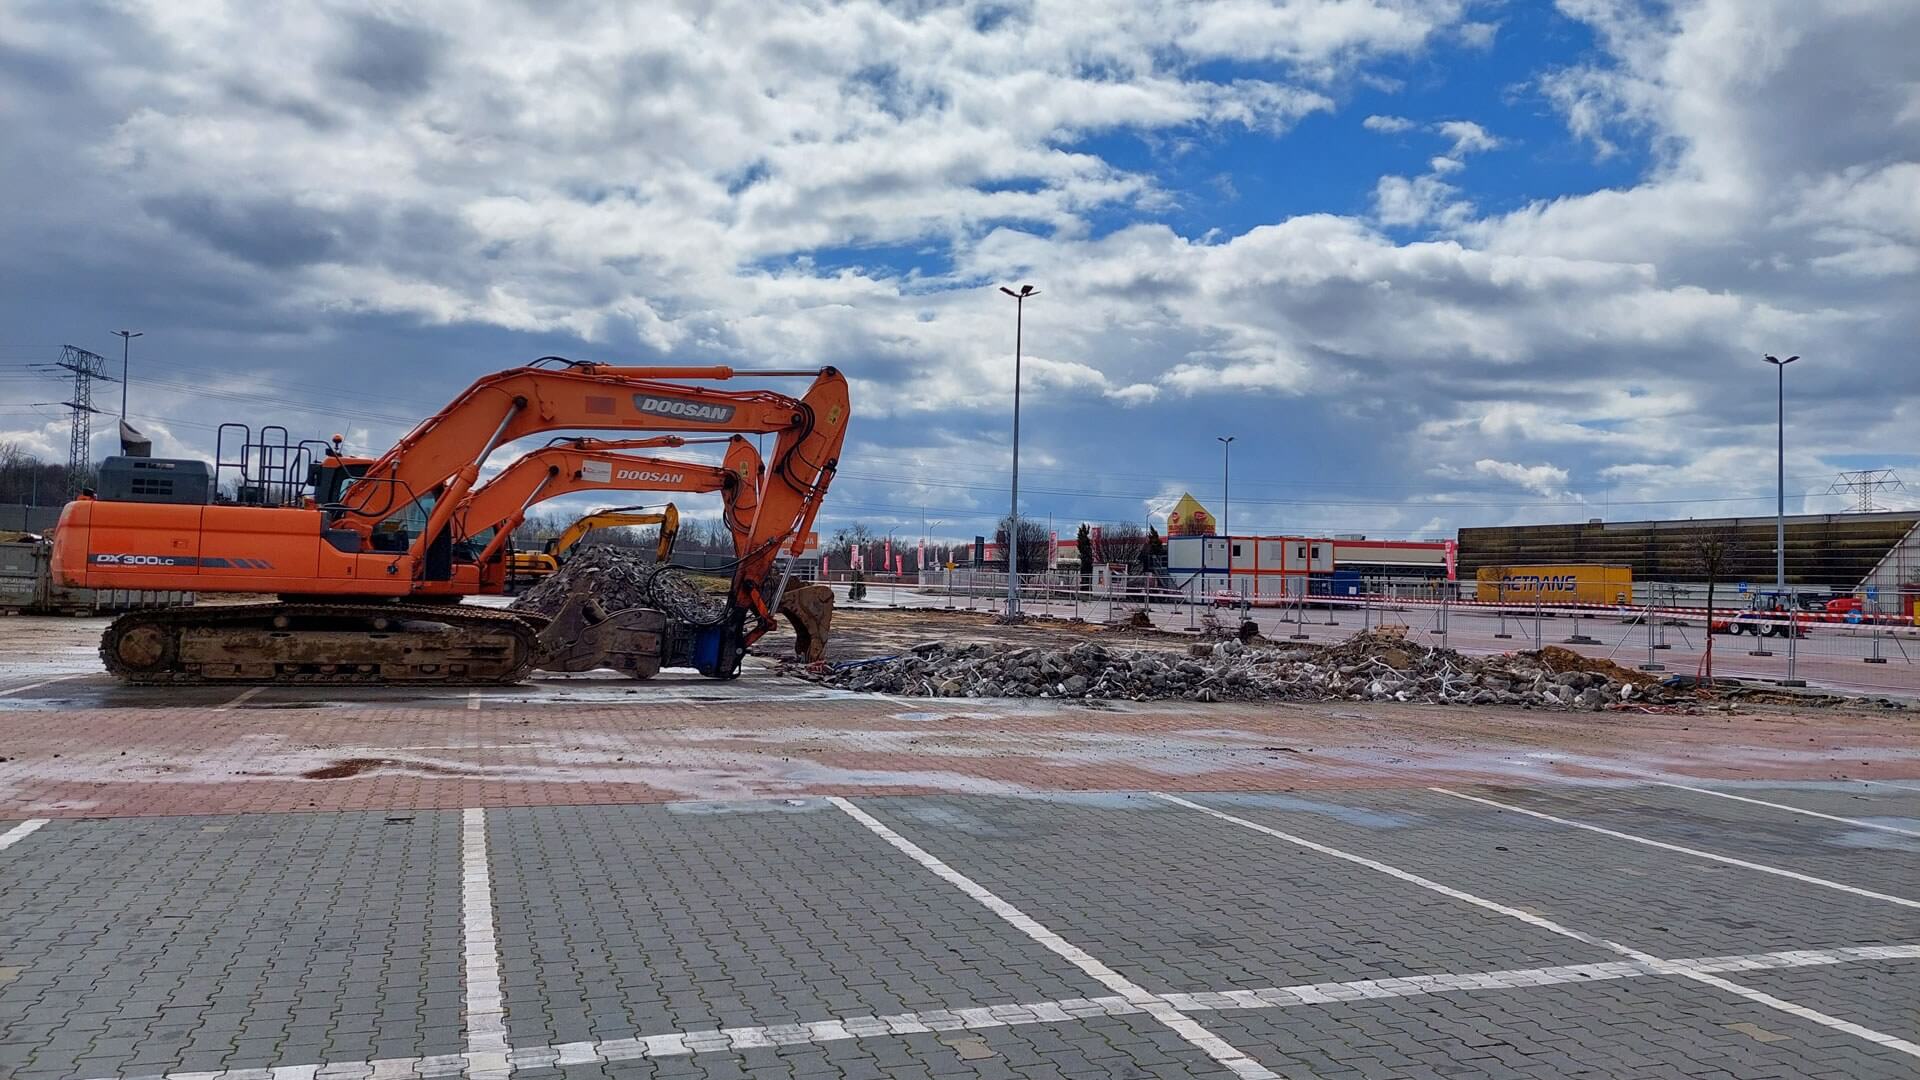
<point>621,578</point>
<point>1367,667</point>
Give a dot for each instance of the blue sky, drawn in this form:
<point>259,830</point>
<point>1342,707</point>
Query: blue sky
<point>1432,262</point>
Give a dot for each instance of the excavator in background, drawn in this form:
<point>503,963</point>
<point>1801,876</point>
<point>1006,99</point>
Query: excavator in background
<point>557,549</point>
<point>486,520</point>
<point>360,557</point>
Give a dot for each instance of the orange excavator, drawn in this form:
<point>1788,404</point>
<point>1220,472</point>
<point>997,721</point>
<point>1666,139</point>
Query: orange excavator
<point>363,562</point>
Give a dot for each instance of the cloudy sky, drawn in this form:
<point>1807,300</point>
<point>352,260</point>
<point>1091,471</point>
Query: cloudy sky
<point>1432,262</point>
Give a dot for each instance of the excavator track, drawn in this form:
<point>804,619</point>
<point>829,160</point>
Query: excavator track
<point>323,644</point>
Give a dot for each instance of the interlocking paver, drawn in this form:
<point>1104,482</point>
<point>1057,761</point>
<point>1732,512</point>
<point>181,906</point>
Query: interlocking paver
<point>1759,834</point>
<point>1884,995</point>
<point>1178,901</point>
<point>634,920</point>
<point>169,942</point>
<point>132,947</point>
<point>1855,799</point>
<point>1669,904</point>
<point>1657,1027</point>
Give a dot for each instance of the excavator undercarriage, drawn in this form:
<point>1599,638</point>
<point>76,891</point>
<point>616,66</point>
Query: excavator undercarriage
<point>327,643</point>
<point>427,644</point>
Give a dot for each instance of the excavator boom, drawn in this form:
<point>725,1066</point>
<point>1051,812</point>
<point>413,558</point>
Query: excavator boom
<point>576,465</point>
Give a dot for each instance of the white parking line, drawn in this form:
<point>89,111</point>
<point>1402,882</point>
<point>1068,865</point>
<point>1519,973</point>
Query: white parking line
<point>1664,967</point>
<point>245,696</point>
<point>486,1057</point>
<point>1186,1027</point>
<point>1891,784</point>
<point>1306,995</point>
<point>38,685</point>
<point>1696,852</point>
<point>20,832</point>
<point>1856,822</point>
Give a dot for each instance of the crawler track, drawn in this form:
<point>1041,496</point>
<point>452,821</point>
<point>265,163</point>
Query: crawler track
<point>323,644</point>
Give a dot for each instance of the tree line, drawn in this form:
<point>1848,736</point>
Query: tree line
<point>27,480</point>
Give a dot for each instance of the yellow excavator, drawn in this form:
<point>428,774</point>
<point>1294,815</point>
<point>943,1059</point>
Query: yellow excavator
<point>615,517</point>
<point>530,566</point>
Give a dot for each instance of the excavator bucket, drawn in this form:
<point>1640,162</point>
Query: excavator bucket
<point>583,636</point>
<point>810,609</point>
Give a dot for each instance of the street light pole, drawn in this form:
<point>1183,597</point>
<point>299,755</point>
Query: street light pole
<point>1013,511</point>
<point>126,347</point>
<point>1780,504</point>
<point>1226,478</point>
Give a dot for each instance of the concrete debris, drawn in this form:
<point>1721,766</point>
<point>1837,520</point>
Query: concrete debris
<point>619,579</point>
<point>1367,667</point>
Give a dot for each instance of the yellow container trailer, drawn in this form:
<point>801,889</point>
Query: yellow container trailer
<point>1556,583</point>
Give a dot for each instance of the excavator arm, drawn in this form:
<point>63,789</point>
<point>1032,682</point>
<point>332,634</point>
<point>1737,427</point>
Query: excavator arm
<point>805,457</point>
<point>442,457</point>
<point>574,465</point>
<point>616,517</point>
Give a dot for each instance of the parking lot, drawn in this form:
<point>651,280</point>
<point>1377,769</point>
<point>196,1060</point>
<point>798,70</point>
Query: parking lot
<point>1388,932</point>
<point>588,878</point>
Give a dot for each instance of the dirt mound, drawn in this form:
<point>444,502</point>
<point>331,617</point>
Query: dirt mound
<point>1559,661</point>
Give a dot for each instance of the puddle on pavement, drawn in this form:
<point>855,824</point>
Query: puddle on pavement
<point>706,808</point>
<point>1876,840</point>
<point>347,768</point>
<point>1351,815</point>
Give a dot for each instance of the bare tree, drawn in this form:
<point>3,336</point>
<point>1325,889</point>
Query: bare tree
<point>1124,543</point>
<point>26,479</point>
<point>1033,544</point>
<point>1714,551</point>
<point>846,540</point>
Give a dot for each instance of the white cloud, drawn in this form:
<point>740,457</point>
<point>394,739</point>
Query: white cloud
<point>1544,479</point>
<point>1398,201</point>
<point>1387,124</point>
<point>1477,35</point>
<point>1468,137</point>
<point>1134,394</point>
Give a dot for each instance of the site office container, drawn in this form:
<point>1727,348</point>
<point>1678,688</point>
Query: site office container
<point>1556,583</point>
<point>1257,566</point>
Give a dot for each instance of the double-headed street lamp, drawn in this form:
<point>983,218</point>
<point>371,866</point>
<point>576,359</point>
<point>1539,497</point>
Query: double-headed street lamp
<point>126,346</point>
<point>1780,505</point>
<point>1013,512</point>
<point>1226,477</point>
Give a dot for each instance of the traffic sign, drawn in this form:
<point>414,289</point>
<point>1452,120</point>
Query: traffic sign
<point>1743,586</point>
<point>1873,592</point>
